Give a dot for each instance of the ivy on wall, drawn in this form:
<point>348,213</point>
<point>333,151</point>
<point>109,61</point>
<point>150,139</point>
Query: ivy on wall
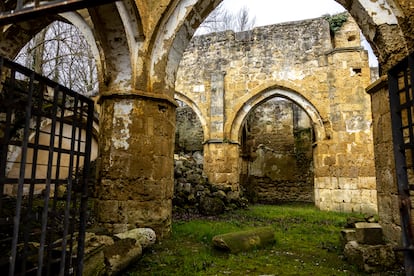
<point>336,21</point>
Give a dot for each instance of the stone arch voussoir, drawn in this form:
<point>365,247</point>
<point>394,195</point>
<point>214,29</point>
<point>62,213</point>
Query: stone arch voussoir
<point>306,105</point>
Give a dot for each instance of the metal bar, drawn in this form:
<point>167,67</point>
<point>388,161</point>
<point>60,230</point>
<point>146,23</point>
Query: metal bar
<point>27,221</point>
<point>47,192</point>
<point>26,71</point>
<point>4,145</point>
<point>49,235</point>
<point>77,124</point>
<point>51,7</point>
<point>400,162</point>
<point>84,199</point>
<point>16,226</point>
<point>42,147</point>
<point>68,196</point>
<point>61,136</point>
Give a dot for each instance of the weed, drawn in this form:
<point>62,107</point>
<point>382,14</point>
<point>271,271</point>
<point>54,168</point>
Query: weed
<point>307,243</point>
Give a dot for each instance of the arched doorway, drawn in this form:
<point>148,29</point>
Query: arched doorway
<point>277,154</point>
<point>287,127</point>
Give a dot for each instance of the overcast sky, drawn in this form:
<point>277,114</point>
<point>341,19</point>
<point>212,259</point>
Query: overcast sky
<point>269,12</point>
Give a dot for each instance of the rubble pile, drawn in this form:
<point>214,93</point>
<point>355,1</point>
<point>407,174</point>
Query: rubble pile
<point>193,194</point>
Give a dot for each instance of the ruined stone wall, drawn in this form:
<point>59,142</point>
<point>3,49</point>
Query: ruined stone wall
<point>279,135</point>
<point>188,132</point>
<point>227,74</point>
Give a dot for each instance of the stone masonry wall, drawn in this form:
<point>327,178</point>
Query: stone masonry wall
<point>387,188</point>
<point>227,74</point>
<point>279,153</point>
<point>188,133</point>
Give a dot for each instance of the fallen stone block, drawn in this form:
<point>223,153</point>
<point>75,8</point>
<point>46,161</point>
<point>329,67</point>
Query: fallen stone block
<point>244,240</point>
<point>144,236</point>
<point>370,258</point>
<point>94,260</point>
<point>368,233</point>
<point>347,235</point>
<point>120,255</point>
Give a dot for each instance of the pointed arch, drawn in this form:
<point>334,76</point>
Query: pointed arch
<point>181,97</point>
<point>172,38</point>
<point>307,106</point>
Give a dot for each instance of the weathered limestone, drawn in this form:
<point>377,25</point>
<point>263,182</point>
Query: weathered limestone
<point>370,258</point>
<point>226,75</point>
<point>221,163</point>
<point>388,200</point>
<point>136,164</point>
<point>364,246</point>
<point>151,36</point>
<point>189,133</point>
<point>109,255</point>
<point>368,233</point>
<point>277,153</point>
<point>244,240</point>
<point>194,194</point>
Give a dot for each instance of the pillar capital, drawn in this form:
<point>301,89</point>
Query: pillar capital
<point>137,94</point>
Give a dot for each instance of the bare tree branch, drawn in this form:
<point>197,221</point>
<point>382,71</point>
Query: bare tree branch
<point>222,20</point>
<point>61,53</point>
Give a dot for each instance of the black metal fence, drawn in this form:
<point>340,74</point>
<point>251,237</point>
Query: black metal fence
<point>401,91</point>
<point>12,11</point>
<point>45,145</point>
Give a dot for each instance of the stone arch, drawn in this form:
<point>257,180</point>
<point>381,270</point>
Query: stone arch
<point>379,22</point>
<point>172,38</point>
<point>181,97</point>
<point>306,105</point>
<point>16,36</point>
<point>13,37</point>
<point>111,36</point>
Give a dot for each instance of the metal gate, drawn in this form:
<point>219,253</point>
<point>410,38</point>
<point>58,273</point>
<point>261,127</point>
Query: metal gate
<point>401,92</point>
<point>43,202</point>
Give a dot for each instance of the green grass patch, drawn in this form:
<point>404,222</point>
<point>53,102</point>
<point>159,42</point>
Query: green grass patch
<point>307,243</point>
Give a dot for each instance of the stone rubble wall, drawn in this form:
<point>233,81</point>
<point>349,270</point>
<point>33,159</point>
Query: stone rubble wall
<point>188,132</point>
<point>194,194</point>
<point>226,74</point>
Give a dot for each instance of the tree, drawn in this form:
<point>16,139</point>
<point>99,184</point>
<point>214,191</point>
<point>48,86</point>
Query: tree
<point>61,53</point>
<point>243,22</point>
<point>222,20</point>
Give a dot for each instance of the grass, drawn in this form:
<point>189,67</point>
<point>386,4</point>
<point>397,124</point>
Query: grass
<point>307,243</point>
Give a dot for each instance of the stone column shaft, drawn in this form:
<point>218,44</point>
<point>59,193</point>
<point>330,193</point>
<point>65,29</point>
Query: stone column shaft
<point>135,185</point>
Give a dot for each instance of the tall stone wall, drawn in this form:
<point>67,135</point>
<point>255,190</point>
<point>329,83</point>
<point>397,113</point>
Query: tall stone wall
<point>227,74</point>
<point>279,153</point>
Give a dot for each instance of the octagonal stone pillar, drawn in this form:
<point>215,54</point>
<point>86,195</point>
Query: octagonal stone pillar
<point>135,181</point>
